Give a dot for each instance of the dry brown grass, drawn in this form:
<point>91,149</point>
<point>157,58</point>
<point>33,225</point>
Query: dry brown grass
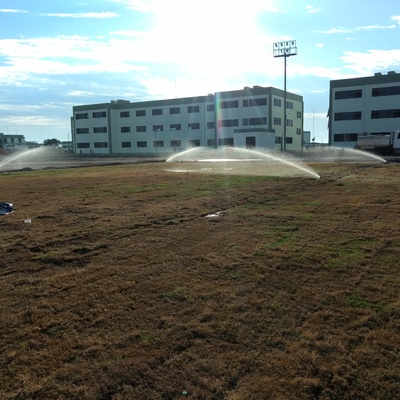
<point>120,288</point>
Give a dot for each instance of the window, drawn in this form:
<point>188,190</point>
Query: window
<point>194,143</point>
<point>124,114</point>
<point>158,143</point>
<point>211,142</point>
<point>100,145</point>
<point>278,139</point>
<point>176,143</point>
<point>83,145</point>
<point>225,142</point>
<point>210,125</point>
<point>289,105</point>
<point>193,125</point>
<point>225,123</point>
<point>126,144</point>
<point>175,110</point>
<point>250,142</point>
<point>229,104</point>
<point>348,116</point>
<point>125,129</point>
<point>289,140</point>
<point>140,113</point>
<point>99,114</point>
<point>80,131</point>
<point>210,107</point>
<point>158,128</point>
<point>157,111</point>
<point>381,114</point>
<point>277,102</point>
<point>289,122</point>
<point>254,121</point>
<point>193,109</point>
<point>298,114</point>
<point>298,131</point>
<point>348,94</point>
<point>101,129</point>
<point>386,91</point>
<point>345,137</point>
<point>141,144</point>
<point>141,128</point>
<point>277,121</point>
<point>82,116</point>
<point>175,127</point>
<point>255,102</point>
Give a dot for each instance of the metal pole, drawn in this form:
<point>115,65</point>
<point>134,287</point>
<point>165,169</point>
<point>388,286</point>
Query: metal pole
<point>284,109</point>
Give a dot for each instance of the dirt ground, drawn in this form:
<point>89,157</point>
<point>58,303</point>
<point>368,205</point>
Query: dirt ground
<point>137,282</point>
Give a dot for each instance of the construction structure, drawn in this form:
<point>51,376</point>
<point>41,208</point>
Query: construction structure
<point>249,118</point>
<point>367,106</point>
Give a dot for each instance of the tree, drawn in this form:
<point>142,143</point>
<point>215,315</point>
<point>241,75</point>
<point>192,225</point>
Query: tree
<point>52,142</point>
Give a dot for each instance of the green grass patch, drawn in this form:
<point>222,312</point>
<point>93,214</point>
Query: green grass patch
<point>361,302</point>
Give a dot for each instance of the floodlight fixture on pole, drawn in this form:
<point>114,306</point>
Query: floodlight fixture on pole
<point>285,49</point>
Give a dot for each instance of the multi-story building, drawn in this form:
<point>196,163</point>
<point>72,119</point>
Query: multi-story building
<point>363,105</point>
<point>251,117</point>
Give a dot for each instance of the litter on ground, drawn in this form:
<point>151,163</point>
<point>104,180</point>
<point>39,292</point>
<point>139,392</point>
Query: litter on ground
<point>6,208</point>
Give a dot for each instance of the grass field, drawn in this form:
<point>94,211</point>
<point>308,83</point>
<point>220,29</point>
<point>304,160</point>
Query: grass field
<point>124,287</point>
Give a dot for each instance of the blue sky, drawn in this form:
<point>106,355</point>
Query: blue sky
<point>55,54</point>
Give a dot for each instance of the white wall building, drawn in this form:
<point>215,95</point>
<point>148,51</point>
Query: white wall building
<point>363,105</point>
<point>251,117</point>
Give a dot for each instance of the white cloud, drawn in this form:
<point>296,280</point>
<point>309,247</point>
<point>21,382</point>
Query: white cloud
<point>79,93</point>
<point>372,61</point>
<point>312,9</point>
<point>358,29</point>
<point>29,120</point>
<point>8,10</point>
<point>320,45</point>
<point>91,15</point>
<point>318,72</point>
<point>207,6</point>
<point>396,18</point>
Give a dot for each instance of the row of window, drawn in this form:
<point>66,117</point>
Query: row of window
<point>345,137</point>
<point>375,114</point>
<point>157,143</point>
<point>191,109</point>
<point>250,142</point>
<point>376,92</point>
<point>191,126</point>
<point>352,137</point>
<point>278,140</point>
<point>11,140</point>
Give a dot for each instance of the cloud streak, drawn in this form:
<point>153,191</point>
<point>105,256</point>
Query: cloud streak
<point>357,29</point>
<point>8,10</point>
<point>90,15</point>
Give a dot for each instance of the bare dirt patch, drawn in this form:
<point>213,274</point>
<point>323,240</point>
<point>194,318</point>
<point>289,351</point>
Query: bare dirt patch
<point>123,286</point>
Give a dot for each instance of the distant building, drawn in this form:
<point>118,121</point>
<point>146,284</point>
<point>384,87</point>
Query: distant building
<point>363,105</point>
<point>67,146</point>
<point>251,117</point>
<point>11,141</point>
<point>306,137</point>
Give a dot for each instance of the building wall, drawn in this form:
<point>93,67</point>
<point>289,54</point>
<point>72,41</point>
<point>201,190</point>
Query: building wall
<point>252,117</point>
<point>363,105</point>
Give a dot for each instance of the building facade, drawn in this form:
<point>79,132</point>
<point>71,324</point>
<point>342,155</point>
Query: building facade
<point>11,143</point>
<point>363,105</point>
<point>251,117</point>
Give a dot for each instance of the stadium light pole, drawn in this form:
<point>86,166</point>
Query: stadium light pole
<point>284,49</point>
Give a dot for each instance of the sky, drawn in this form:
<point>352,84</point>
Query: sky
<point>55,54</point>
